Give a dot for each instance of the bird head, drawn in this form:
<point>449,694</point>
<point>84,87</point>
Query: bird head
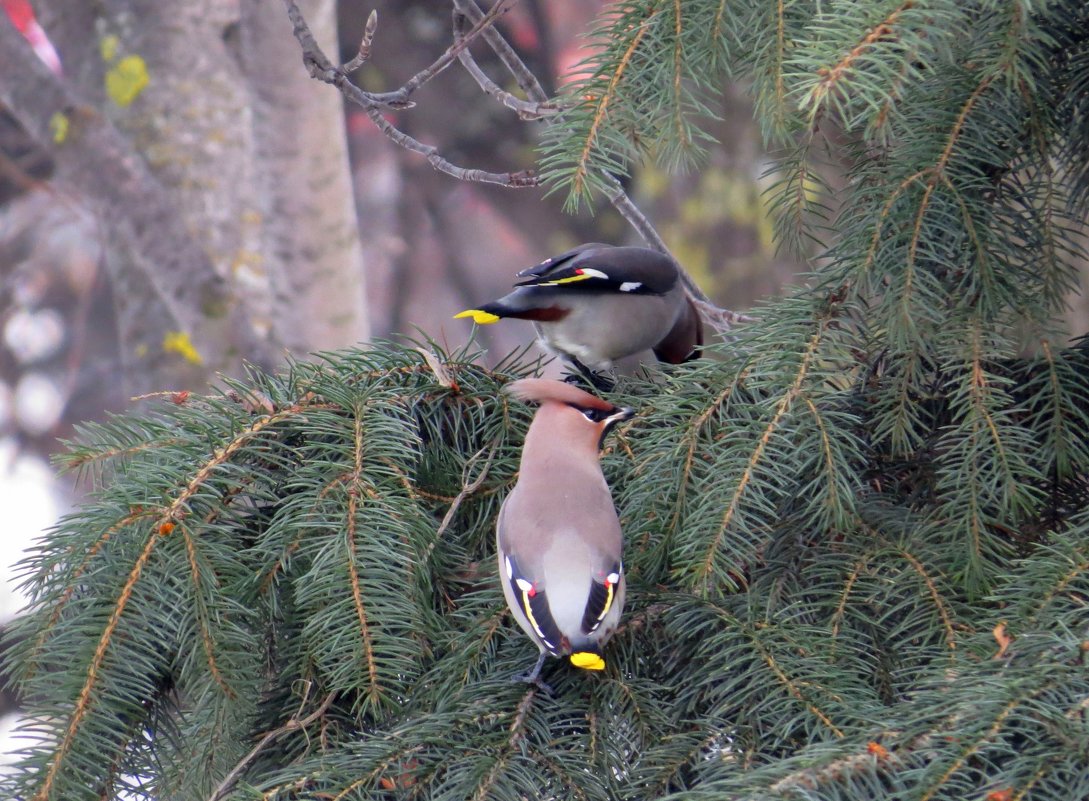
<point>570,415</point>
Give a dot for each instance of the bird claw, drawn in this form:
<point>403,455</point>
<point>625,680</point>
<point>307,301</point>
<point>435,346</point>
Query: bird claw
<point>581,374</point>
<point>529,678</point>
<point>534,675</point>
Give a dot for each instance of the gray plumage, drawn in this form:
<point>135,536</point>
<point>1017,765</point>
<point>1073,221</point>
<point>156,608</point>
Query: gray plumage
<point>558,537</point>
<point>601,307</point>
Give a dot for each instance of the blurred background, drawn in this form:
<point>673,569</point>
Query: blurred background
<point>192,155</point>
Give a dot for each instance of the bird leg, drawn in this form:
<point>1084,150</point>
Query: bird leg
<point>580,372</point>
<point>534,676</point>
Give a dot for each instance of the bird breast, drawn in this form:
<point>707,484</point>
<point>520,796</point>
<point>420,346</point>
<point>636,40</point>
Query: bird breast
<point>604,328</point>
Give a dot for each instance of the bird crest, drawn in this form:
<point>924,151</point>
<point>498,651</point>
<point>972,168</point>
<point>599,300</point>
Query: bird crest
<point>546,389</point>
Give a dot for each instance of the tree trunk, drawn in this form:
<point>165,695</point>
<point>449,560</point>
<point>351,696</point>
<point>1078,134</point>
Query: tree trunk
<point>313,254</point>
<point>195,135</point>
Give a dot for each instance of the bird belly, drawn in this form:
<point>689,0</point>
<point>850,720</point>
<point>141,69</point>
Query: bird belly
<point>635,324</point>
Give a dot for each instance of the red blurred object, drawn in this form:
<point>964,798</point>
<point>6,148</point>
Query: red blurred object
<point>22,17</point>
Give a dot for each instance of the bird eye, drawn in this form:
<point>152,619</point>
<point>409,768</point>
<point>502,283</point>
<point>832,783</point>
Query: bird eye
<point>595,415</point>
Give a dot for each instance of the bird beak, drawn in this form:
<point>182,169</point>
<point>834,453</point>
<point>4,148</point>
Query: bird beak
<point>621,414</point>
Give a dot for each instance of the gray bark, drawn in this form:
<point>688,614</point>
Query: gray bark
<point>163,281</point>
<point>222,189</point>
<point>315,262</point>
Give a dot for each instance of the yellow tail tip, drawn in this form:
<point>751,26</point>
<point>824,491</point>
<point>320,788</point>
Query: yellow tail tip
<point>479,317</point>
<point>587,661</point>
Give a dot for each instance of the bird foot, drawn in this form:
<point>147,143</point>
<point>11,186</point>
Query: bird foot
<point>529,678</point>
<point>584,375</point>
<point>534,675</point>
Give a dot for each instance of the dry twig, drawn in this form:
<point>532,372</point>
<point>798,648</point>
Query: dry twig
<point>292,724</point>
<point>537,106</point>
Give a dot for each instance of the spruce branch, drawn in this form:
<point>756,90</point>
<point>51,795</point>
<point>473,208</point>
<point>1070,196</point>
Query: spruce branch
<point>848,585</point>
<point>84,701</point>
<point>167,520</point>
<point>704,577</point>
<point>874,755</point>
<point>517,725</point>
<point>293,724</point>
<point>598,105</point>
<point>356,487</point>
<point>830,77</point>
<point>860,462</point>
<point>939,604</point>
<point>975,746</point>
<point>202,612</point>
<point>780,57</point>
<point>692,437</point>
<point>58,607</point>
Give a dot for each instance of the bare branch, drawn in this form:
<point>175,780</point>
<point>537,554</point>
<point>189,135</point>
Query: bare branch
<point>532,87</point>
<point>364,44</point>
<point>722,320</point>
<point>485,23</point>
<point>537,107</point>
<point>527,81</point>
<point>323,70</point>
<point>627,208</point>
<point>519,179</point>
<point>526,109</point>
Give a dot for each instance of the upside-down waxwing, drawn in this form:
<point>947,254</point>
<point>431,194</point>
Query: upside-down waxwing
<point>600,307</point>
<point>558,537</point>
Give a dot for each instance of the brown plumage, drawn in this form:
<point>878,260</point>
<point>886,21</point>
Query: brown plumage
<point>558,538</point>
<point>540,390</point>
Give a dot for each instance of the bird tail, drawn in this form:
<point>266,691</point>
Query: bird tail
<point>481,316</point>
<point>524,303</point>
<point>588,660</point>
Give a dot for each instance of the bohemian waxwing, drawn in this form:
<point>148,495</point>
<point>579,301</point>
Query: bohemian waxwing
<point>558,537</point>
<point>600,307</point>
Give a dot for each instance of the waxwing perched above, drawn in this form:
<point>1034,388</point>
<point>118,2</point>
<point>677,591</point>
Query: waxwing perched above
<point>600,307</point>
<point>558,537</point>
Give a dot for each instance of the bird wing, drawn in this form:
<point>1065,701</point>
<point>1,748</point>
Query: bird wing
<point>603,591</point>
<point>602,267</point>
<point>684,341</point>
<point>533,602</point>
<point>533,605</point>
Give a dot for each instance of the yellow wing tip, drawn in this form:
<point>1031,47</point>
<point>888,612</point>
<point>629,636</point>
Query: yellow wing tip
<point>479,317</point>
<point>569,279</point>
<point>587,661</point>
